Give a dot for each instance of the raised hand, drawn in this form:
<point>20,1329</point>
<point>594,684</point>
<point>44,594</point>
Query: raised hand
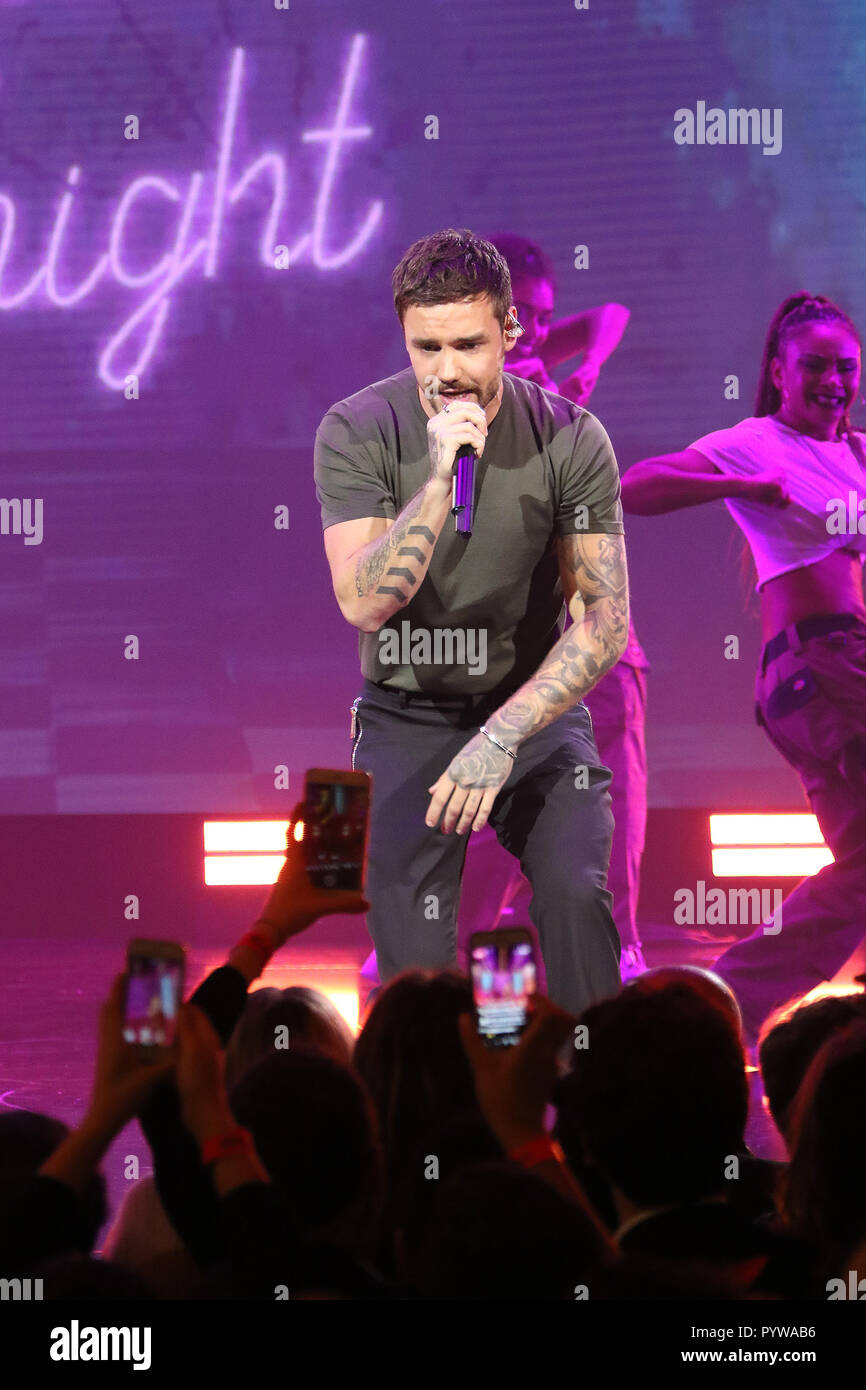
<point>514,1084</point>
<point>122,1080</point>
<point>579,386</point>
<point>531,369</point>
<point>457,422</point>
<point>204,1106</point>
<point>294,902</point>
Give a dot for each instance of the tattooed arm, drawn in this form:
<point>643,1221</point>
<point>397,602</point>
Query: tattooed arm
<point>378,564</point>
<point>595,585</point>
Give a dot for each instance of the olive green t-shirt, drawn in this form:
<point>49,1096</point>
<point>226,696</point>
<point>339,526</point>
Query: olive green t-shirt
<point>490,606</point>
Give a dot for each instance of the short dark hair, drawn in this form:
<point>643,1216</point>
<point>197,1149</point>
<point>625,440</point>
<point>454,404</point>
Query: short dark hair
<point>314,1130</point>
<point>792,1038</point>
<point>498,1232</point>
<point>659,1098</point>
<point>526,259</point>
<point>27,1139</point>
<point>821,1196</point>
<point>449,266</point>
<point>410,1058</point>
<point>309,1015</point>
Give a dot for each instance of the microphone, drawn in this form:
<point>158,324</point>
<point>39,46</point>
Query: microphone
<point>463,489</point>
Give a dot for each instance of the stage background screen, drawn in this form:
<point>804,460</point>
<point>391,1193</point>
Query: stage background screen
<point>307,129</point>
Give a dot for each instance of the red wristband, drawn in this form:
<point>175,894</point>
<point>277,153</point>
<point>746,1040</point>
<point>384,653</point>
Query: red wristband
<point>536,1151</point>
<point>257,941</point>
<point>232,1144</point>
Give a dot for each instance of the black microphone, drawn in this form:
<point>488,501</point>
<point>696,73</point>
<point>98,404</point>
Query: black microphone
<point>463,489</point>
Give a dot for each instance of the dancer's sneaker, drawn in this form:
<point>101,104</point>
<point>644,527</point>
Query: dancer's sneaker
<point>631,962</point>
<point>370,969</point>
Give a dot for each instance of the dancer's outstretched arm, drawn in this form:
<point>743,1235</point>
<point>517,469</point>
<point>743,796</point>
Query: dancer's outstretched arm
<point>671,481</point>
<point>595,331</point>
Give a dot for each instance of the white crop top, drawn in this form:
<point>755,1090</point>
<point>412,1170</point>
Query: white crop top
<point>821,477</point>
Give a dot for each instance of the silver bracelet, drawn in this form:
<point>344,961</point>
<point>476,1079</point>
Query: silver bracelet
<point>487,734</point>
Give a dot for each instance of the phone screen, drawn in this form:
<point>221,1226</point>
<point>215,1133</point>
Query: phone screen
<point>503,978</point>
<point>154,990</point>
<point>335,830</point>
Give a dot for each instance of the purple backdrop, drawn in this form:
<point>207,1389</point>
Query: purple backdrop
<point>236,257</point>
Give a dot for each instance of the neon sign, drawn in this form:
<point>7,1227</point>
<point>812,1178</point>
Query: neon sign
<point>203,204</point>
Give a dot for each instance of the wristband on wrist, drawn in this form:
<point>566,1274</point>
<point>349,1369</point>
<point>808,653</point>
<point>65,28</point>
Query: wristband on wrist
<point>232,1144</point>
<point>257,941</point>
<point>536,1151</point>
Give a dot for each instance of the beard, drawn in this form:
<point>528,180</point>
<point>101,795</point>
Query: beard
<point>483,394</point>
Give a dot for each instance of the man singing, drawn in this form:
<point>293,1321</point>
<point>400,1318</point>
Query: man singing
<point>471,708</point>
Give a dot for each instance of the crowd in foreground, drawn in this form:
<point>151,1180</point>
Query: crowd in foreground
<point>415,1162</point>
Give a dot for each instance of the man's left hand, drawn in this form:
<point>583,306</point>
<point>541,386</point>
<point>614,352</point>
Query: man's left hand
<point>467,791</point>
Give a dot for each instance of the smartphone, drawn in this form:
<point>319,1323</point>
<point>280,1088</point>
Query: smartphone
<point>334,835</point>
<point>155,974</point>
<point>504,975</point>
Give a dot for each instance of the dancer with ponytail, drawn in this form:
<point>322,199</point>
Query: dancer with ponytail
<point>783,474</point>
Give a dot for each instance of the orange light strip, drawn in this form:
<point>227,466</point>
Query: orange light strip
<point>241,853</point>
<point>769,861</point>
<point>245,836</point>
<point>226,870</point>
<point>768,845</point>
<point>771,829</point>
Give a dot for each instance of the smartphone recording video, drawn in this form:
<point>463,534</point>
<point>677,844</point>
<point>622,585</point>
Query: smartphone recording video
<point>336,812</point>
<point>504,976</point>
<point>155,973</point>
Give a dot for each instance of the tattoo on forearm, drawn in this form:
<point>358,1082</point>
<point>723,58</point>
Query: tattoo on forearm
<point>374,565</point>
<point>422,531</point>
<point>587,650</point>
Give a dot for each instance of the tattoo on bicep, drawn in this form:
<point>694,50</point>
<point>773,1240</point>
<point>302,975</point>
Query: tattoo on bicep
<point>597,563</point>
<point>599,566</point>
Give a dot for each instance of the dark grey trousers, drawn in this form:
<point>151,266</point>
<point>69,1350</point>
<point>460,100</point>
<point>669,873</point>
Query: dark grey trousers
<point>553,814</point>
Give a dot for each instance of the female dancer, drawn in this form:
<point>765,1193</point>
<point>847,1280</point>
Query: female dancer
<point>787,475</point>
